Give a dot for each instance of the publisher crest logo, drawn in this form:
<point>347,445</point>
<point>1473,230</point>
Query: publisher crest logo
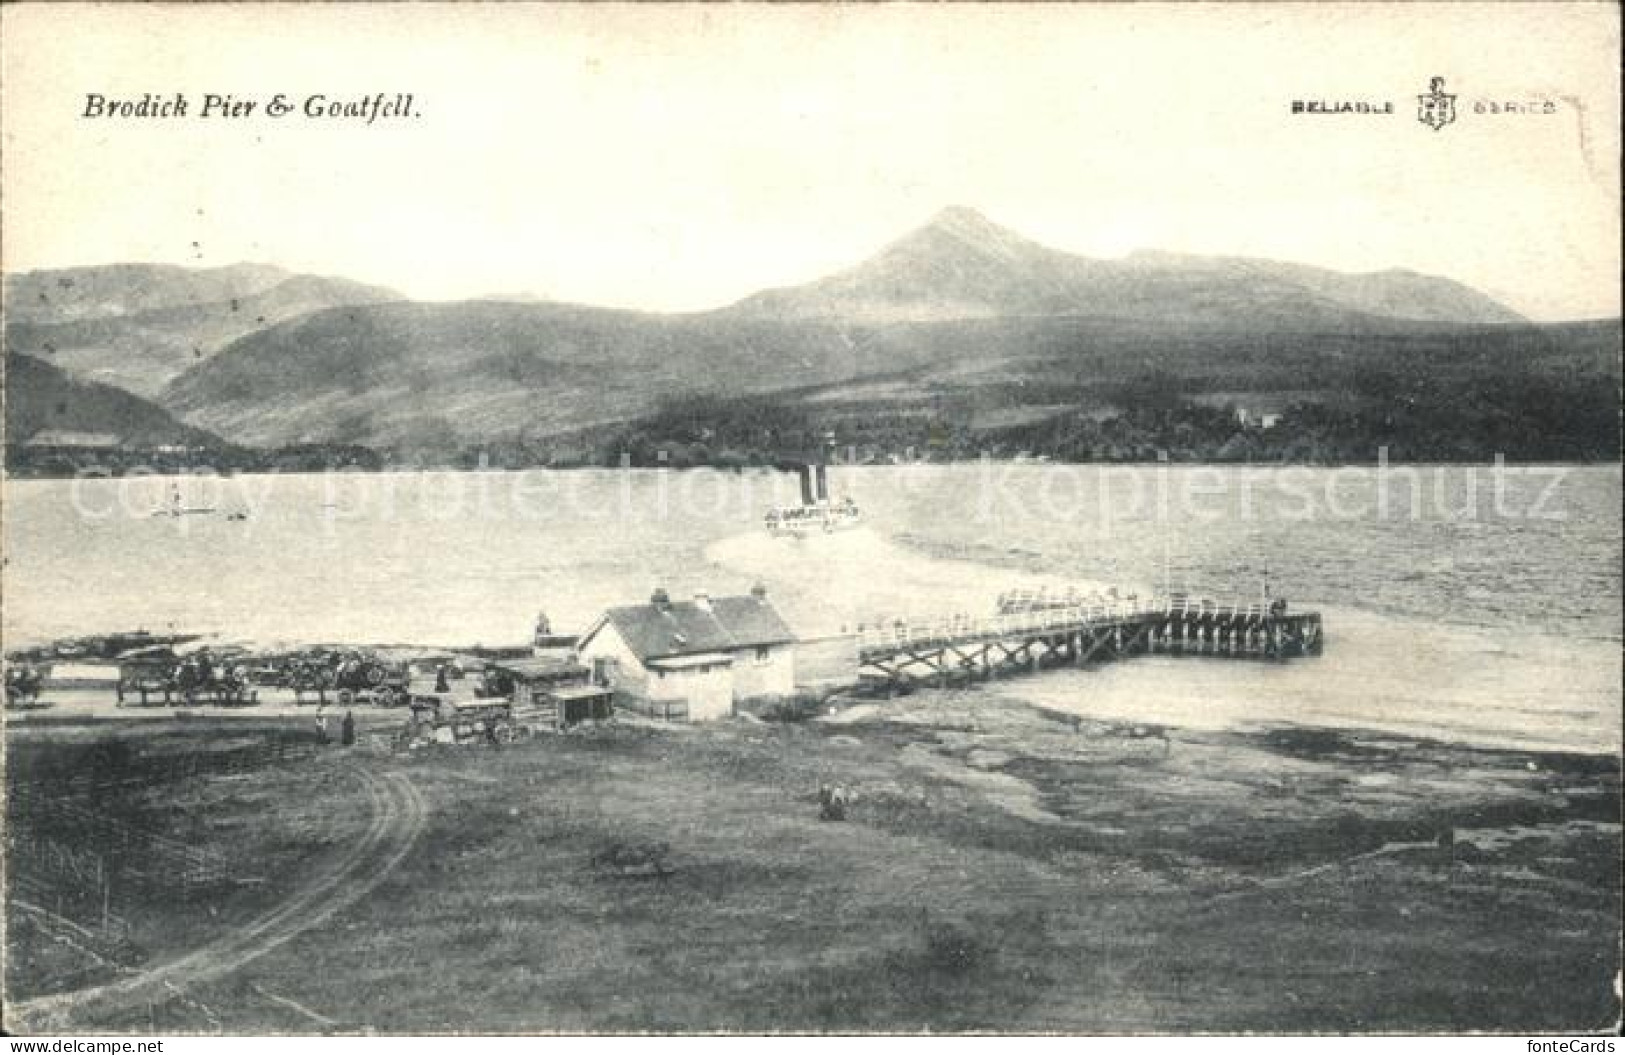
<point>1437,108</point>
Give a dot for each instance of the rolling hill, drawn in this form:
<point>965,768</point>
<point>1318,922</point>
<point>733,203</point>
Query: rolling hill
<point>956,298</point>
<point>420,375</point>
<point>137,326</point>
<point>959,317</point>
<point>41,399</point>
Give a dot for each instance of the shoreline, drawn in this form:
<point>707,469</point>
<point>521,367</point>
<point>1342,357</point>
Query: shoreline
<point>1149,691</point>
<point>11,474</point>
<point>999,713</point>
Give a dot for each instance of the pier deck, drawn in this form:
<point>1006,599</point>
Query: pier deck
<point>959,648</point>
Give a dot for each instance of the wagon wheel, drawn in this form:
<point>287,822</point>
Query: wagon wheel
<point>373,674</point>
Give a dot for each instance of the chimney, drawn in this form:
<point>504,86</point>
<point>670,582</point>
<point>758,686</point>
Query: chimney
<point>660,598</point>
<point>702,600</point>
<point>759,592</point>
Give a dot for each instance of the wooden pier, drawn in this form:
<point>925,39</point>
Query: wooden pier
<point>1019,640</point>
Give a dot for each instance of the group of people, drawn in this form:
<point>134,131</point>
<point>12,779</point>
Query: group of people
<point>201,670</point>
<point>23,683</point>
<point>833,800</point>
<point>346,729</point>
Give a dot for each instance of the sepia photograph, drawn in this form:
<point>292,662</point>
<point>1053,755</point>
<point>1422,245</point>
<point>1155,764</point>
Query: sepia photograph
<point>607,519</point>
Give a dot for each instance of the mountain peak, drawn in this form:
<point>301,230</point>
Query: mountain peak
<point>962,217</point>
<point>958,264</point>
<point>969,226</point>
<point>961,265</point>
<point>960,239</point>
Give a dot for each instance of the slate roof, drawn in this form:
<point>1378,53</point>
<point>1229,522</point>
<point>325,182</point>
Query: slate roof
<point>684,628</point>
<point>541,669</point>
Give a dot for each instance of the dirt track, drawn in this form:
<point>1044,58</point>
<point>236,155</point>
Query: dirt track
<point>399,814</point>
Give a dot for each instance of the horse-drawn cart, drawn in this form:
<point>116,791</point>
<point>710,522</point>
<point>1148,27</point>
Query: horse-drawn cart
<point>194,679</point>
<point>437,720</point>
<point>353,677</point>
<point>23,685</point>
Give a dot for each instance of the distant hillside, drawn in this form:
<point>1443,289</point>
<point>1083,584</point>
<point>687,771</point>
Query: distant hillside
<point>137,326</point>
<point>433,375</point>
<point>960,294</point>
<point>106,290</point>
<point>960,319</point>
<point>438,379</point>
<point>962,265</point>
<point>41,399</point>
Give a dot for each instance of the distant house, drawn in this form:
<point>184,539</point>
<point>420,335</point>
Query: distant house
<point>1257,419</point>
<point>65,439</point>
<point>696,658</point>
<point>545,644</point>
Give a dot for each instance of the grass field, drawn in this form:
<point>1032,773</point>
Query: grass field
<point>1000,869</point>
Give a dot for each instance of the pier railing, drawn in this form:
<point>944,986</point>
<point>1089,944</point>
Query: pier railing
<point>1038,619</point>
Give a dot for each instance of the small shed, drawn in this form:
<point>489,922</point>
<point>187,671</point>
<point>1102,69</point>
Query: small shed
<point>556,692</point>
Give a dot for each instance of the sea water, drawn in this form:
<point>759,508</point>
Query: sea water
<point>1468,602</point>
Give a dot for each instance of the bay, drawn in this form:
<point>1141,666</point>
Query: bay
<point>1475,602</point>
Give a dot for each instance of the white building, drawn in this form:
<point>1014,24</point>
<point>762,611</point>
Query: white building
<point>67,439</point>
<point>1257,419</point>
<point>697,657</point>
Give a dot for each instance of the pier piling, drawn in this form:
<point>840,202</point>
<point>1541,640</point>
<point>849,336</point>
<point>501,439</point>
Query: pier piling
<point>897,654</point>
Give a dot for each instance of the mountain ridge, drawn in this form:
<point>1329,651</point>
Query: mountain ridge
<point>959,301</point>
<point>960,264</point>
<point>136,326</point>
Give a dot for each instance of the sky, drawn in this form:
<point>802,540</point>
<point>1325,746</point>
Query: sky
<point>681,157</point>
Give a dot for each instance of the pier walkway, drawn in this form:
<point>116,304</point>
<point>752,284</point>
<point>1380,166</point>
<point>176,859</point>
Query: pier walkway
<point>1031,633</point>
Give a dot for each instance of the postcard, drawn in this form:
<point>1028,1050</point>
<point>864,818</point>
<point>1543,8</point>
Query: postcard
<point>1082,519</point>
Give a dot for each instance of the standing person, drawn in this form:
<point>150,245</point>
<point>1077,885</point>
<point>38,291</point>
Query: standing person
<point>347,729</point>
<point>321,727</point>
<point>441,684</point>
